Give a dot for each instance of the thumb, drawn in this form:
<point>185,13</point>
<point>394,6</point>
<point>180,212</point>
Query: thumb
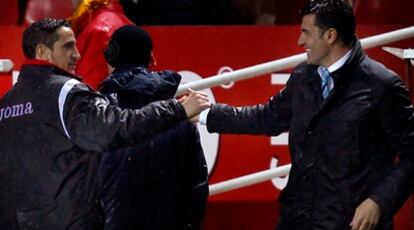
<point>182,99</point>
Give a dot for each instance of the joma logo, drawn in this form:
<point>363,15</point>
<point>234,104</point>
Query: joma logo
<point>16,110</point>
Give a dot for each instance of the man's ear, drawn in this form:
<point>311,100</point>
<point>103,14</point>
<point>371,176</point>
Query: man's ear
<point>331,35</point>
<point>43,52</point>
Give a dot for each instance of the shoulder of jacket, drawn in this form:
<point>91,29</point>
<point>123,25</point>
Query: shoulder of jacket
<point>302,71</point>
<point>66,83</point>
<point>62,79</point>
<point>376,71</point>
<point>167,72</point>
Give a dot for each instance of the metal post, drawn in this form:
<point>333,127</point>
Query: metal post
<point>408,77</point>
<point>408,56</point>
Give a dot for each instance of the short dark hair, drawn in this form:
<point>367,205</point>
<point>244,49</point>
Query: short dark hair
<point>335,14</point>
<point>41,32</point>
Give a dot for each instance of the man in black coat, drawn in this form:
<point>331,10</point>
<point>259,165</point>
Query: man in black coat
<point>163,183</point>
<point>351,129</point>
<point>52,128</point>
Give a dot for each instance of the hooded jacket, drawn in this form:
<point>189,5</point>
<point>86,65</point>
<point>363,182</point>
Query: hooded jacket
<point>51,127</point>
<point>161,184</point>
<point>343,149</point>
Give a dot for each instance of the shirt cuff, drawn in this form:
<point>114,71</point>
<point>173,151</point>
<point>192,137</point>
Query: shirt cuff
<point>203,117</point>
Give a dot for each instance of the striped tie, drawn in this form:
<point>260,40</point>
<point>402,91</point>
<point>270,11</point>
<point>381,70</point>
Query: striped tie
<point>326,81</point>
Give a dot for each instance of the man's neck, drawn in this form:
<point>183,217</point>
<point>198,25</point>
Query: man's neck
<point>335,55</point>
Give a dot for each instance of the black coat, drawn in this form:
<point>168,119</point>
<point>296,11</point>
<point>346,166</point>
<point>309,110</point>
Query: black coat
<point>51,128</point>
<point>343,149</point>
<point>161,184</point>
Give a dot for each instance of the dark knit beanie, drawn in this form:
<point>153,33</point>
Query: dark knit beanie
<point>129,45</point>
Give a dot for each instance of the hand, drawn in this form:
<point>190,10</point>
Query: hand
<point>195,119</point>
<point>366,215</point>
<point>194,103</point>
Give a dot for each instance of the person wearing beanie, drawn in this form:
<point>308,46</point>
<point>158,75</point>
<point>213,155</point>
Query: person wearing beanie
<point>163,183</point>
<point>129,45</point>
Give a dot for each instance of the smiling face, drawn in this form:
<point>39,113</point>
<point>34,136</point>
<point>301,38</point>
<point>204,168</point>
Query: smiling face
<point>64,52</point>
<point>315,41</point>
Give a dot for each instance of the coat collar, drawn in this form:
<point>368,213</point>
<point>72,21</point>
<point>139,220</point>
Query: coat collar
<point>28,63</point>
<point>340,75</point>
<point>356,57</point>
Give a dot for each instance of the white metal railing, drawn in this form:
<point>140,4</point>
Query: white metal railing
<point>284,63</point>
<point>247,180</point>
<point>6,65</point>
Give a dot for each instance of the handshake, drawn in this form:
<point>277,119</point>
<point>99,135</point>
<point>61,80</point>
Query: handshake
<point>194,103</point>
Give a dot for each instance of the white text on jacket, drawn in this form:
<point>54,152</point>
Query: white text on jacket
<point>16,110</point>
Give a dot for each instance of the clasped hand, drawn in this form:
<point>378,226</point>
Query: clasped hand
<point>194,103</point>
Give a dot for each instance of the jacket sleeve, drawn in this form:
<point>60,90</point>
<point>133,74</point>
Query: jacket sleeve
<point>397,121</point>
<point>94,124</point>
<point>271,118</point>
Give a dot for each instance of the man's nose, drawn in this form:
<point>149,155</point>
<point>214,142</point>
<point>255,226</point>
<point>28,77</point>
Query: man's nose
<point>76,54</point>
<point>300,41</point>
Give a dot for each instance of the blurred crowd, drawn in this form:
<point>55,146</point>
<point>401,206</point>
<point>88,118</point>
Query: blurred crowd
<point>203,12</point>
